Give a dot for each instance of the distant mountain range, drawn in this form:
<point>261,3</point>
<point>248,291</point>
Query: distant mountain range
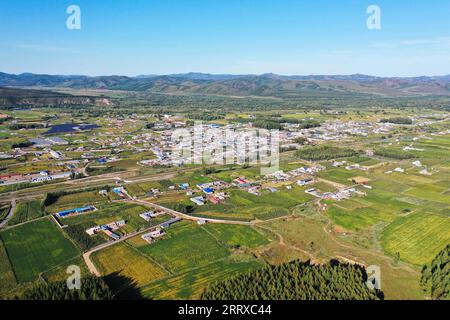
<point>265,85</point>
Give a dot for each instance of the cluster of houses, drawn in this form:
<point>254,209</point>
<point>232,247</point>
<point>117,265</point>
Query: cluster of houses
<point>151,236</point>
<point>337,195</point>
<point>42,176</point>
<point>108,229</point>
<point>149,215</point>
<point>211,192</point>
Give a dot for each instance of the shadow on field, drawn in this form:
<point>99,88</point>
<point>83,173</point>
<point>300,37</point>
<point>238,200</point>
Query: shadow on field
<point>124,288</point>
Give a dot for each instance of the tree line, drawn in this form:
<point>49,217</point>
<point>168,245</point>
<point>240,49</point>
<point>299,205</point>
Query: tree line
<point>436,276</point>
<point>92,288</point>
<point>325,152</point>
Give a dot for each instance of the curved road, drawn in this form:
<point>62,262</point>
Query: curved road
<point>10,214</point>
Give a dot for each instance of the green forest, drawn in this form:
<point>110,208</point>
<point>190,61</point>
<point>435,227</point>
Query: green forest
<point>92,288</point>
<point>296,280</point>
<point>436,276</point>
<point>324,152</point>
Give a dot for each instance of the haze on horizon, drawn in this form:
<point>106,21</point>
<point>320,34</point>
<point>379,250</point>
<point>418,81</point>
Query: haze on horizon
<point>285,37</point>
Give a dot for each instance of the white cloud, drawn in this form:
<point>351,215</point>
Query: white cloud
<point>444,41</point>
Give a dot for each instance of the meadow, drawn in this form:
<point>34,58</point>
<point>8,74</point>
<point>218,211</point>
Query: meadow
<point>242,205</point>
<point>236,235</point>
<point>36,247</point>
<point>185,246</point>
<point>190,284</point>
<point>75,200</point>
<point>124,260</point>
<point>7,277</point>
<point>26,211</point>
<point>417,238</point>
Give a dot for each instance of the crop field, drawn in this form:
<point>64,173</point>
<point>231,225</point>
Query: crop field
<point>27,211</point>
<point>307,233</point>
<point>236,235</point>
<point>74,200</point>
<point>125,261</point>
<point>141,189</point>
<point>185,246</point>
<point>356,219</point>
<point>243,205</point>
<point>59,273</point>
<point>4,209</point>
<point>417,237</point>
<point>7,277</point>
<point>190,284</point>
<point>111,212</point>
<point>36,247</point>
<point>341,175</point>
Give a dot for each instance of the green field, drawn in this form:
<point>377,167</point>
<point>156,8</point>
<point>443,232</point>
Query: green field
<point>417,237</point>
<point>7,277</point>
<point>242,205</point>
<point>110,212</point>
<point>184,247</point>
<point>36,247</point>
<point>236,235</point>
<point>124,261</point>
<point>190,284</point>
<point>75,200</point>
<point>27,211</point>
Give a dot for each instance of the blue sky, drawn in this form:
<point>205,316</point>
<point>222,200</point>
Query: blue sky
<point>132,37</point>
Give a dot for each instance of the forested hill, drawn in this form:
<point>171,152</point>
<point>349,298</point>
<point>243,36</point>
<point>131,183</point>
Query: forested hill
<point>14,97</point>
<point>296,280</point>
<point>266,85</point>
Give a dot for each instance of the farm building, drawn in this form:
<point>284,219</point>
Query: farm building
<point>242,182</point>
<point>198,200</point>
<point>107,229</point>
<point>170,222</point>
<point>184,186</point>
<point>208,190</point>
<point>360,180</point>
<point>151,236</point>
<point>304,182</point>
<point>76,211</point>
<point>146,215</point>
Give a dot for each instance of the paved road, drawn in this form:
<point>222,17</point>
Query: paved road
<point>189,217</point>
<point>10,214</point>
<point>92,181</point>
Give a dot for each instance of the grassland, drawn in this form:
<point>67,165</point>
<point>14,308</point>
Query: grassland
<point>126,261</point>
<point>110,212</point>
<point>26,211</point>
<point>417,237</point>
<point>190,284</point>
<point>36,247</point>
<point>236,235</point>
<point>242,205</point>
<point>308,234</point>
<point>74,200</point>
<point>7,277</point>
<point>184,247</point>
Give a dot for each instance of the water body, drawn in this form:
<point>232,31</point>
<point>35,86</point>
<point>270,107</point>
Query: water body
<point>71,127</point>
